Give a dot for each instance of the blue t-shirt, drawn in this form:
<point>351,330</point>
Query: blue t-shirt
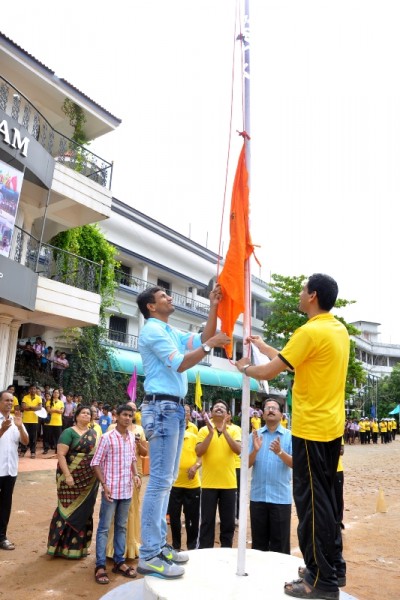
<point>105,422</point>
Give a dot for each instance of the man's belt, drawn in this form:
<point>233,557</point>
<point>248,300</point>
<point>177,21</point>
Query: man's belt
<point>158,397</point>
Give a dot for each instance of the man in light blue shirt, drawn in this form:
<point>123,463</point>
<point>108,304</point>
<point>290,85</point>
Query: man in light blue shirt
<point>166,353</point>
<point>270,455</point>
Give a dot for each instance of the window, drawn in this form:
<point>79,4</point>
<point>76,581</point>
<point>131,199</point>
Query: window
<point>261,310</point>
<point>117,329</point>
<point>165,284</point>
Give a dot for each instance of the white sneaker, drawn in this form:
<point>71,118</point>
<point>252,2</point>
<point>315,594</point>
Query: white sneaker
<point>171,554</point>
<point>159,566</point>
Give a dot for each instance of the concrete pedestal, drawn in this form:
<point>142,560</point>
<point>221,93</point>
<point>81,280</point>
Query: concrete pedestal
<point>211,575</point>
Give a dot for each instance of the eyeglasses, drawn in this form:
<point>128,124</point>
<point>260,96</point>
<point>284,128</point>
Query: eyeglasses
<point>272,408</point>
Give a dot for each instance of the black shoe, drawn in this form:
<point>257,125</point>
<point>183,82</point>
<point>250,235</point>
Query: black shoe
<point>341,580</point>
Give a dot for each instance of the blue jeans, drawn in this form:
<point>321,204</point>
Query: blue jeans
<point>120,509</point>
<point>163,422</point>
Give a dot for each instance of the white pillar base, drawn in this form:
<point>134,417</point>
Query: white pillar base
<point>211,575</point>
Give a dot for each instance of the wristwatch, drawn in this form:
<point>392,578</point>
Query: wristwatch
<point>206,348</point>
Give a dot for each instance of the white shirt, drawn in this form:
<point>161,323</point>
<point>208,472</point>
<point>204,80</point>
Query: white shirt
<point>9,449</point>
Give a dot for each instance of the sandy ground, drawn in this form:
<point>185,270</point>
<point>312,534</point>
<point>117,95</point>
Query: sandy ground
<point>371,538</point>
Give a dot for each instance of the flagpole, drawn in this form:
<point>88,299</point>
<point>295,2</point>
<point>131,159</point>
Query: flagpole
<point>241,558</point>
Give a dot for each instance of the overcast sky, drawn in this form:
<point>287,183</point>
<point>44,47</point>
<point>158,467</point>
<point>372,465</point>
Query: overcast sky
<point>325,125</point>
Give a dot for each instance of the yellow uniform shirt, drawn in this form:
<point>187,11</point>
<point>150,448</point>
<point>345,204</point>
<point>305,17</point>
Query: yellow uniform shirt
<point>30,416</point>
<point>375,427</point>
<point>56,418</point>
<point>219,467</point>
<point>255,422</point>
<point>15,403</point>
<point>138,418</point>
<point>238,459</point>
<point>188,459</point>
<point>192,428</point>
<point>284,422</point>
<point>383,427</point>
<point>319,353</point>
<point>362,426</point>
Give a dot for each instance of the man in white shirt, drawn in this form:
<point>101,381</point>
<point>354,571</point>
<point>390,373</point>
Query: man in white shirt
<point>12,432</point>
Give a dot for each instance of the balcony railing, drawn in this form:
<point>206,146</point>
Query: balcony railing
<point>64,150</point>
<point>137,285</point>
<point>54,263</point>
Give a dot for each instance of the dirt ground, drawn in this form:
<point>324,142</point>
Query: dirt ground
<point>371,538</point>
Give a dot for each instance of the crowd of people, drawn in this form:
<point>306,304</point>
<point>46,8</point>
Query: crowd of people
<point>194,467</point>
<point>38,356</point>
<point>368,430</point>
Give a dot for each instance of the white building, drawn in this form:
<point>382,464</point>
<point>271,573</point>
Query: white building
<point>47,184</point>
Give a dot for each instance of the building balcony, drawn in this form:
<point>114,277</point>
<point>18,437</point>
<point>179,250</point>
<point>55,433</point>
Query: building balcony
<point>63,288</point>
<point>185,303</point>
<point>61,148</point>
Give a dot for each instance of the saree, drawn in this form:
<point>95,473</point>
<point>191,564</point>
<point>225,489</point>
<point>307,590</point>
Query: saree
<point>71,527</point>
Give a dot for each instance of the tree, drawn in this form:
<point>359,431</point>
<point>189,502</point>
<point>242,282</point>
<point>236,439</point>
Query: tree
<point>389,392</point>
<point>92,367</point>
<point>89,242</point>
<point>285,317</point>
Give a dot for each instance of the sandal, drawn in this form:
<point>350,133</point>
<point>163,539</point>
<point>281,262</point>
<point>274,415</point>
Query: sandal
<point>101,578</point>
<point>7,545</point>
<point>129,572</point>
<point>299,589</point>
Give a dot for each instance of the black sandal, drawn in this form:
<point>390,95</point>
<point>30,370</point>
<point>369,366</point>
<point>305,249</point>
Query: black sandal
<point>129,572</point>
<point>101,578</point>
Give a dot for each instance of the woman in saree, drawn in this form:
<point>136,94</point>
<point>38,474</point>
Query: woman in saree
<point>71,527</point>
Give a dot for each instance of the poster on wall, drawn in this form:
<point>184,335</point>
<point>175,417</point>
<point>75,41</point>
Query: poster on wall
<point>10,189</point>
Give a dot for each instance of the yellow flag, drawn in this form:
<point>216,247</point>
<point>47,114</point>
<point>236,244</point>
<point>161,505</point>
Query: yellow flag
<point>198,393</point>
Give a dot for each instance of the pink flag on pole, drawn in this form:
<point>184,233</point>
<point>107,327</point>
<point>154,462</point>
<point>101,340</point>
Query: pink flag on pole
<point>131,389</point>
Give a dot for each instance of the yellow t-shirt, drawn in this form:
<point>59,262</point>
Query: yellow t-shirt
<point>361,425</point>
<point>15,403</point>
<point>218,466</point>
<point>138,418</point>
<point>238,458</point>
<point>375,427</point>
<point>284,422</point>
<point>56,418</point>
<point>319,353</point>
<point>394,425</point>
<point>255,422</point>
<point>30,416</point>
<point>383,427</point>
<point>192,428</point>
<point>188,459</point>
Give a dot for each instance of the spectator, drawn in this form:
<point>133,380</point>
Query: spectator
<point>270,455</point>
<point>12,432</point>
<point>114,465</point>
<point>31,404</point>
<point>217,445</point>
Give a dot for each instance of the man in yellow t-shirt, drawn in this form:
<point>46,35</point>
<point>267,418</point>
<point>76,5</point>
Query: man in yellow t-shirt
<point>30,405</point>
<point>318,353</point>
<point>218,444</point>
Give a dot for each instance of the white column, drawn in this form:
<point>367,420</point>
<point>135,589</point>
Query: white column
<point>5,321</point>
<point>12,351</point>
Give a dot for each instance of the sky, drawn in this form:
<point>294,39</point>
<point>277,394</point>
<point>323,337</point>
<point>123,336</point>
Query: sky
<point>324,115</point>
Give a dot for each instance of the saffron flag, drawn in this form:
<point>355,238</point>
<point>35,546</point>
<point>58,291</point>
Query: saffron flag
<point>198,393</point>
<point>131,389</point>
<point>240,248</point>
